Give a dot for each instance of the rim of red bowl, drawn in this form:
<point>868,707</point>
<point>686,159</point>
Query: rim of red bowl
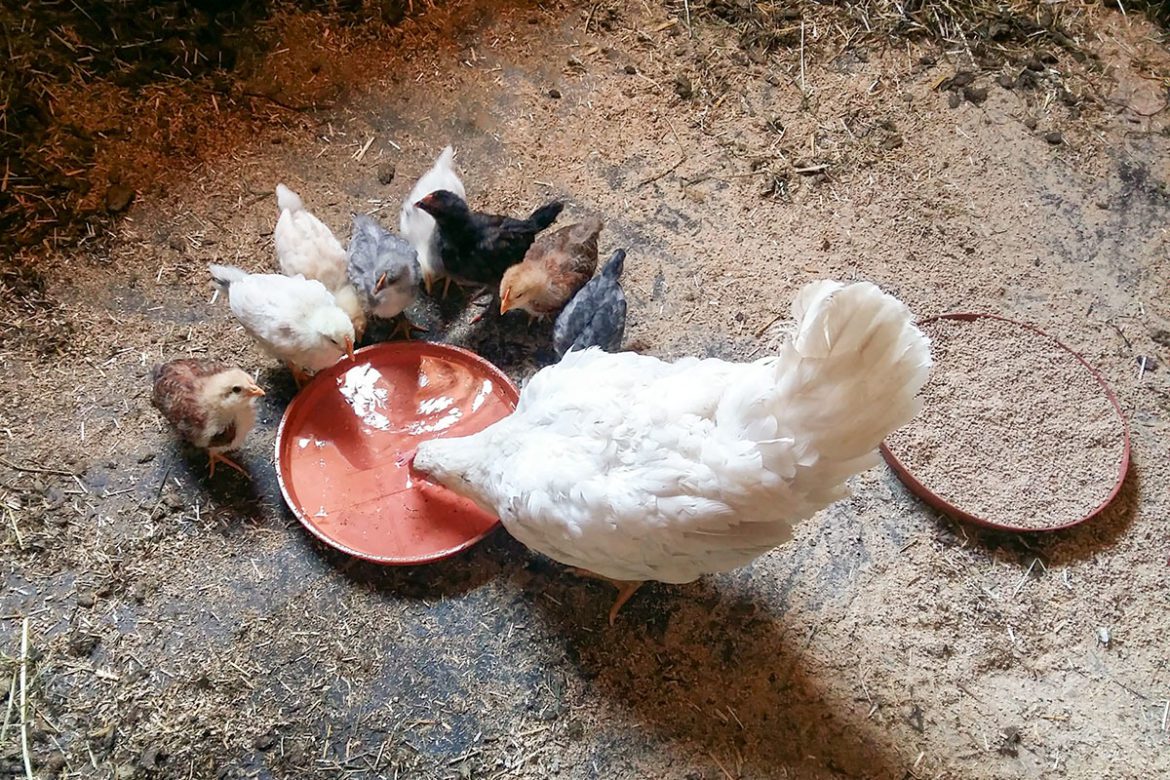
<point>938,502</point>
<point>344,364</point>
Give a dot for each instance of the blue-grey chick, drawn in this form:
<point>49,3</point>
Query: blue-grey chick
<point>384,268</point>
<point>596,316</point>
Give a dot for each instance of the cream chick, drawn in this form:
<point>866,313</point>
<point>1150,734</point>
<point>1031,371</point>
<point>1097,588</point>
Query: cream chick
<point>209,403</point>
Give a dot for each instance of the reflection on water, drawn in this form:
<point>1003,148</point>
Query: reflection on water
<point>484,391</point>
<point>359,387</point>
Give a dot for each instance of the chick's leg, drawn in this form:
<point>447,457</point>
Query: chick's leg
<point>626,589</point>
<point>299,376</point>
<point>219,457</point>
<point>406,328</point>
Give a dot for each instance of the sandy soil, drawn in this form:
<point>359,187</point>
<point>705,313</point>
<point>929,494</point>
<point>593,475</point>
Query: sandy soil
<point>181,627</point>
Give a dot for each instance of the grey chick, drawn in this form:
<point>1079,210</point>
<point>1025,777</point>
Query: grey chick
<point>384,268</point>
<point>596,317</point>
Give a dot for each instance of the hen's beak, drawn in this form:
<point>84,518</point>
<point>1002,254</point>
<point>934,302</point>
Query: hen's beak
<point>504,301</point>
<point>349,348</point>
<point>380,284</point>
<point>253,391</point>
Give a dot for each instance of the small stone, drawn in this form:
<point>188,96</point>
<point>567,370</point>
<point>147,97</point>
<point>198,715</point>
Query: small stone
<point>83,645</point>
<point>264,742</point>
<point>152,758</point>
<point>1009,741</point>
<point>683,87</point>
<point>1007,82</point>
<point>976,95</point>
<point>1147,363</point>
<point>54,763</point>
<point>962,79</point>
<point>126,772</point>
<point>892,142</point>
<point>386,173</point>
<point>118,198</point>
<point>630,69</point>
<point>1054,138</point>
<point>1104,637</point>
<point>953,100</point>
<point>146,458</point>
<point>1034,65</point>
<point>86,600</point>
<point>1030,122</point>
<point>554,93</point>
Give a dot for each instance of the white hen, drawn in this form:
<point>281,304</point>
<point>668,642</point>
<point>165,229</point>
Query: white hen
<point>305,245</point>
<point>633,468</point>
<point>417,226</point>
<point>293,318</point>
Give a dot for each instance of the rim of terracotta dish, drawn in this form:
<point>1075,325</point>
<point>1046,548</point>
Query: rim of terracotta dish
<point>938,502</point>
<point>344,364</point>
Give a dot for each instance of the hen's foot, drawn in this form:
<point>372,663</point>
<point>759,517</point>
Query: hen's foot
<point>219,457</point>
<point>626,589</point>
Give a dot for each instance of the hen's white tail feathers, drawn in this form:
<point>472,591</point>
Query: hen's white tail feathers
<point>226,275</point>
<point>446,157</point>
<point>849,378</point>
<point>287,200</point>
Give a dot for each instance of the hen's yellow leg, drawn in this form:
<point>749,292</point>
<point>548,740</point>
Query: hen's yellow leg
<point>626,589</point>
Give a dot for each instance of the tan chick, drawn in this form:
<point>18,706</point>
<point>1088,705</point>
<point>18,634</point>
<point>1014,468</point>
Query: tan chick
<point>556,266</point>
<point>210,404</point>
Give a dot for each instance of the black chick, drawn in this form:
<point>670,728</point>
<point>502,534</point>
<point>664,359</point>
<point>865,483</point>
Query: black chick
<point>596,317</point>
<point>477,247</point>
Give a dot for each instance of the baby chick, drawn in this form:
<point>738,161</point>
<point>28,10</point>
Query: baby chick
<point>384,269</point>
<point>596,317</point>
<point>556,266</point>
<point>306,246</point>
<point>418,227</point>
<point>478,247</point>
<point>210,404</point>
<point>293,318</point>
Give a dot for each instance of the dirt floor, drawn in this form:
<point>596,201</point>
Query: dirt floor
<point>186,627</point>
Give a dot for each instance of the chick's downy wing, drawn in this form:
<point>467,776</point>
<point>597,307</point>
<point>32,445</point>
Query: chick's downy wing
<point>274,308</point>
<point>306,246</point>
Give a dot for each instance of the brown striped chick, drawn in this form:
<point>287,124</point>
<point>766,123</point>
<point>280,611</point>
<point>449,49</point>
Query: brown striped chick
<point>556,266</point>
<point>210,404</point>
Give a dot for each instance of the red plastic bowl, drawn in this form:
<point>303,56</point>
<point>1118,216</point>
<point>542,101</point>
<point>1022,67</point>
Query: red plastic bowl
<point>938,502</point>
<point>344,447</point>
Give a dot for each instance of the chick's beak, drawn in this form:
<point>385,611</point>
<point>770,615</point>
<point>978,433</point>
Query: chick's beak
<point>428,281</point>
<point>253,391</point>
<point>380,284</point>
<point>504,301</point>
<point>349,348</point>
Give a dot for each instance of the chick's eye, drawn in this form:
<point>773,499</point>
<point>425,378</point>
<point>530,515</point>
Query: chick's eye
<point>237,389</point>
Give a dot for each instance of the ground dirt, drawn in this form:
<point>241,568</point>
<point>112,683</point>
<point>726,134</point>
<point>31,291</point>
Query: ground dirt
<point>186,627</point>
